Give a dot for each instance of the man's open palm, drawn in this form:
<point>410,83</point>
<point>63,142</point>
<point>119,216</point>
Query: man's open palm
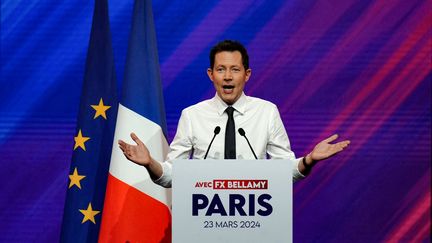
<point>136,153</point>
<point>325,149</point>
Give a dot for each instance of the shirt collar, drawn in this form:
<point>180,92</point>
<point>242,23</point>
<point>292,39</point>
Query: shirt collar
<point>239,105</point>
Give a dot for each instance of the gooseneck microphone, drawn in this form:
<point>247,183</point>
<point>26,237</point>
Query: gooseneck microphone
<point>243,133</point>
<point>216,132</point>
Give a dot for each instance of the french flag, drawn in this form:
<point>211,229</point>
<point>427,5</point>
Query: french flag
<point>136,209</point>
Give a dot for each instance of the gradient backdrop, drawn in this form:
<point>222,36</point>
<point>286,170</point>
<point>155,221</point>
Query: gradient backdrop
<point>355,67</point>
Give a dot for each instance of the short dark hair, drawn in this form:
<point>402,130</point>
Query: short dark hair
<point>231,46</point>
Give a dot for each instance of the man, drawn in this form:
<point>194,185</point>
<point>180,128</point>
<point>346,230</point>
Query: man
<point>230,109</point>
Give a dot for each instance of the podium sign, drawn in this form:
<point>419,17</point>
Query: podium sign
<point>232,201</point>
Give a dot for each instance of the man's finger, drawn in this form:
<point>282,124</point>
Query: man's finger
<point>121,143</point>
<point>344,144</point>
<point>336,149</point>
<point>331,139</point>
<point>135,138</point>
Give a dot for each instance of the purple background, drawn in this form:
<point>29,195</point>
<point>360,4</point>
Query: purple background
<point>361,69</point>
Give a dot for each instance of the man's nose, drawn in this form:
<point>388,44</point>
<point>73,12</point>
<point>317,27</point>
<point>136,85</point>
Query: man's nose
<point>228,75</point>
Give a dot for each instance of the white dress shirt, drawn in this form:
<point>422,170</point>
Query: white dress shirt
<point>260,120</point>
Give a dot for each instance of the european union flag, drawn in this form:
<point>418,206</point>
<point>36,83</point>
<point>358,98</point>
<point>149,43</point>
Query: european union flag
<point>94,136</point>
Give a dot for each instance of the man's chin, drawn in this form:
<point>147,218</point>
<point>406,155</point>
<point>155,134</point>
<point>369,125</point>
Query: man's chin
<point>229,99</point>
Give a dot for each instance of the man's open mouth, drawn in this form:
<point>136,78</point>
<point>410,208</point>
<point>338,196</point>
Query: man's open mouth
<point>228,86</point>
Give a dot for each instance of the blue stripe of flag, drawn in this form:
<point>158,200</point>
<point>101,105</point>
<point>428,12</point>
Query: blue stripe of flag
<point>142,89</point>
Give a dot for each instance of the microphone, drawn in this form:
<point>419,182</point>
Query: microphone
<point>243,133</point>
<point>216,132</point>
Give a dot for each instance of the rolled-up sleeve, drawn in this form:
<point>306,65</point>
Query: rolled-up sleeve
<point>279,146</point>
<point>180,148</point>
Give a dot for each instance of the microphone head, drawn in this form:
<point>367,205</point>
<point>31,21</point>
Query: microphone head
<point>217,130</point>
<point>241,131</point>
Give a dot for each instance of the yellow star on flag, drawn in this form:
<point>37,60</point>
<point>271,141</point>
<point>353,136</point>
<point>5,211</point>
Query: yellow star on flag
<point>80,140</point>
<point>75,179</point>
<point>89,214</point>
<point>100,109</point>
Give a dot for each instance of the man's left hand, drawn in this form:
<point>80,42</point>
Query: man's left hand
<point>325,149</point>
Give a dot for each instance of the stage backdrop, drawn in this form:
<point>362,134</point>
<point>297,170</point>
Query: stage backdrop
<point>359,68</point>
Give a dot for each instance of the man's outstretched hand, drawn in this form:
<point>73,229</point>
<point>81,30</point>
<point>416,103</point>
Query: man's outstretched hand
<point>138,153</point>
<point>325,149</point>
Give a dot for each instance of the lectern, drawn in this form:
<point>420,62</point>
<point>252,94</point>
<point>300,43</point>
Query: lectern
<point>232,201</point>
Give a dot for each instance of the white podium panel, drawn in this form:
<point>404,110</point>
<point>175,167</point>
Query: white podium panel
<point>232,201</point>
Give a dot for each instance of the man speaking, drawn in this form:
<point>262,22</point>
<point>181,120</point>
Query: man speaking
<point>231,125</point>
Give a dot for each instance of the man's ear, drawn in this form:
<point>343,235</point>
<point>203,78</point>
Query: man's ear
<point>248,74</point>
<point>210,73</point>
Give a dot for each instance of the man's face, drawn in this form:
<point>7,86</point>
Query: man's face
<point>229,76</point>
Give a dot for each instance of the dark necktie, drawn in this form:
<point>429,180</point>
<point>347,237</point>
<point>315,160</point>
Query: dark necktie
<point>230,144</point>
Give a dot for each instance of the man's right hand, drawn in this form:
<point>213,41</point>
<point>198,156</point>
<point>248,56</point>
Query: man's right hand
<point>138,153</point>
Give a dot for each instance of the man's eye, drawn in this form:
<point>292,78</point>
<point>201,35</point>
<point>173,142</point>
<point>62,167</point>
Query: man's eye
<point>220,70</point>
<point>236,70</point>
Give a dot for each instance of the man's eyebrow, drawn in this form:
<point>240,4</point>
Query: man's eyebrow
<point>222,65</point>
